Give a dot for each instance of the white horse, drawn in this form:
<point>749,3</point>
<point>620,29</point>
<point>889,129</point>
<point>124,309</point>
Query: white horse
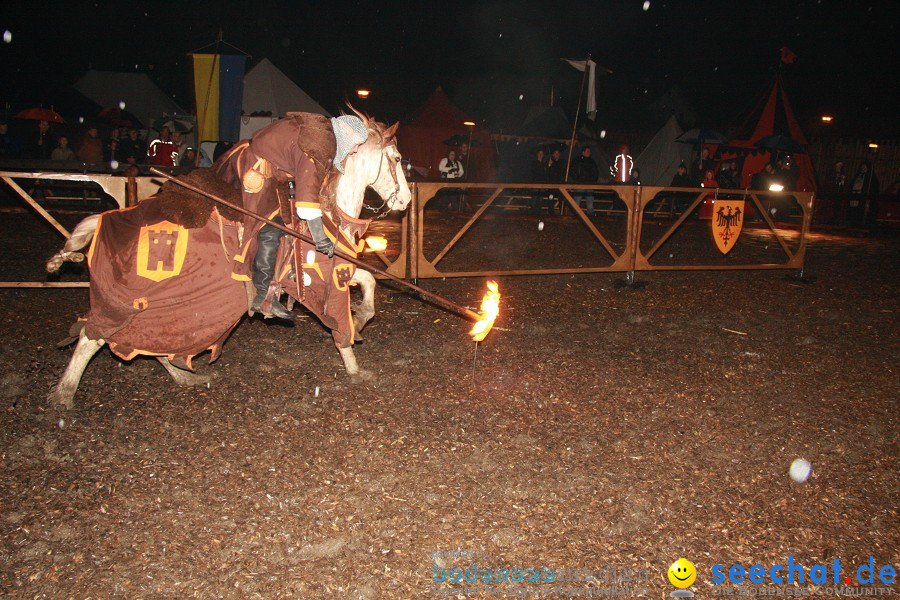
<point>375,165</point>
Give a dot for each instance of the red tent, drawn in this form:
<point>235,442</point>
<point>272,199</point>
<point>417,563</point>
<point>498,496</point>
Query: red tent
<point>773,116</point>
<point>422,136</point>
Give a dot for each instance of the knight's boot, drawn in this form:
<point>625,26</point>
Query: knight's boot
<point>264,271</point>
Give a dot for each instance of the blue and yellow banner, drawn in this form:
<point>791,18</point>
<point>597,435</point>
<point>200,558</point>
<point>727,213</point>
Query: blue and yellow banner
<point>218,93</point>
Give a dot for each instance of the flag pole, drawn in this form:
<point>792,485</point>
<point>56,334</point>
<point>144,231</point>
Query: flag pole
<point>577,113</point>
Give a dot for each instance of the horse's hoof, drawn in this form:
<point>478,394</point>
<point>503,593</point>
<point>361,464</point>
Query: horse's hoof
<point>363,376</point>
<point>61,398</point>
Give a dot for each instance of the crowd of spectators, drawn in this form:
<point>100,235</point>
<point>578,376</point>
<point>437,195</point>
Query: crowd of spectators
<point>37,140</point>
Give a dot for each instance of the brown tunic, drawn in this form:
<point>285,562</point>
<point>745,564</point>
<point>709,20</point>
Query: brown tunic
<point>301,146</point>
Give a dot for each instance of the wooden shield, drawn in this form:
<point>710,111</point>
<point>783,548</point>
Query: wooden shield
<point>726,222</point>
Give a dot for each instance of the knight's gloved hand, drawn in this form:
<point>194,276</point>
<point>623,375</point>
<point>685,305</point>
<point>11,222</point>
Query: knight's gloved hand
<point>317,230</point>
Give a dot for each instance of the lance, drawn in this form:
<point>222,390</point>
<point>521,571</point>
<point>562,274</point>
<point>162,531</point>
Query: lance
<point>439,300</point>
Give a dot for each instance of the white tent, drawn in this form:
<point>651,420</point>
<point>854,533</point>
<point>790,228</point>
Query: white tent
<point>266,88</point>
<point>660,159</point>
<point>141,96</point>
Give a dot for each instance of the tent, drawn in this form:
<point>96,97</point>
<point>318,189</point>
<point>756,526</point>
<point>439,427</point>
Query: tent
<point>142,98</point>
<point>660,159</point>
<point>422,136</point>
<point>546,121</point>
<point>267,89</point>
<point>773,116</point>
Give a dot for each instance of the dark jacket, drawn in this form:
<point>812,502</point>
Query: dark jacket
<point>681,180</point>
<point>556,171</point>
<point>539,171</point>
<point>584,170</point>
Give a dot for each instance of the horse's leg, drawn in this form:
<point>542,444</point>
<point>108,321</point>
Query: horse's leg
<point>356,374</point>
<point>64,391</point>
<point>364,310</point>
<point>181,376</point>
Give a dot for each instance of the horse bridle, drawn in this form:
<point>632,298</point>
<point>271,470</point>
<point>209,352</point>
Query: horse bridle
<point>393,197</point>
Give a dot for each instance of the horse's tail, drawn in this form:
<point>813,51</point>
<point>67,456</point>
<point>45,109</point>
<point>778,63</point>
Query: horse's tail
<point>80,237</point>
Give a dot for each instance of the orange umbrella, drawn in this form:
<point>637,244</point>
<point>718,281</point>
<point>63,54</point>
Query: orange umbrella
<point>41,114</point>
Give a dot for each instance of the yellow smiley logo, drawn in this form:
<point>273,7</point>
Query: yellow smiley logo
<point>682,573</point>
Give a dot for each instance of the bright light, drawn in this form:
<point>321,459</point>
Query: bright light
<point>776,187</point>
<point>376,243</point>
<point>873,146</point>
<point>363,93</point>
<point>469,123</point>
<point>827,118</point>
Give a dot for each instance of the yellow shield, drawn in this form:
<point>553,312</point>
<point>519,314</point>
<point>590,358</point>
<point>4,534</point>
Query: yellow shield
<point>161,250</point>
<point>726,222</point>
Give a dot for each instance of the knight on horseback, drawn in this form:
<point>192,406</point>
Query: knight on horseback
<point>301,147</point>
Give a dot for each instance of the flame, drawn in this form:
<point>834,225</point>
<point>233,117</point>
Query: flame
<point>376,243</point>
<point>490,308</point>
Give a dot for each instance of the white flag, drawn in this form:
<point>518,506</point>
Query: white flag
<point>592,83</point>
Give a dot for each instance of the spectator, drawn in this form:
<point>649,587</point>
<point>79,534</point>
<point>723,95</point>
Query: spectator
<point>111,147</point>
<point>863,192</point>
<point>90,150</point>
<point>786,173</point>
<point>556,168</point>
<point>584,170</point>
<point>728,177</point>
<point>703,164</point>
<point>763,179</point>
<point>162,151</point>
<point>180,146</point>
<point>468,165</point>
<point>709,180</point>
<point>539,174</point>
<point>452,170</point>
<point>838,180</point>
<point>9,145</point>
<point>681,178</point>
<point>622,166</point>
<point>39,145</point>
<point>62,152</point>
<point>188,158</point>
<point>635,178</point>
<point>450,167</point>
<point>132,149</point>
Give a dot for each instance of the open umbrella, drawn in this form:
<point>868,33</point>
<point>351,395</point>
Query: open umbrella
<point>784,143</point>
<point>116,117</point>
<point>41,114</point>
<point>173,124</point>
<point>461,138</point>
<point>701,136</point>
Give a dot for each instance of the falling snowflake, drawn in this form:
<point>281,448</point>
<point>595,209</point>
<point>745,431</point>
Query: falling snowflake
<point>602,134</point>
<point>7,36</point>
<point>521,96</point>
<point>121,105</point>
<point>646,5</point>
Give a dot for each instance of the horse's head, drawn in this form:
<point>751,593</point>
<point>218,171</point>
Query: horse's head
<point>376,164</point>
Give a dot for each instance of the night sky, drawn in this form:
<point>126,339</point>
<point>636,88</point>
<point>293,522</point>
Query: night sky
<point>720,55</point>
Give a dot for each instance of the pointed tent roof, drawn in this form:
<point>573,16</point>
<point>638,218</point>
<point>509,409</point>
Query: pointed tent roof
<point>438,111</point>
<point>422,136</point>
<point>266,88</point>
<point>143,98</point>
<point>773,116</point>
<point>660,159</point>
<point>546,121</point>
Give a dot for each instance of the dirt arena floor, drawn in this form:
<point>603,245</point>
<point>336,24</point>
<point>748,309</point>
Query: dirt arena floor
<point>600,433</point>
